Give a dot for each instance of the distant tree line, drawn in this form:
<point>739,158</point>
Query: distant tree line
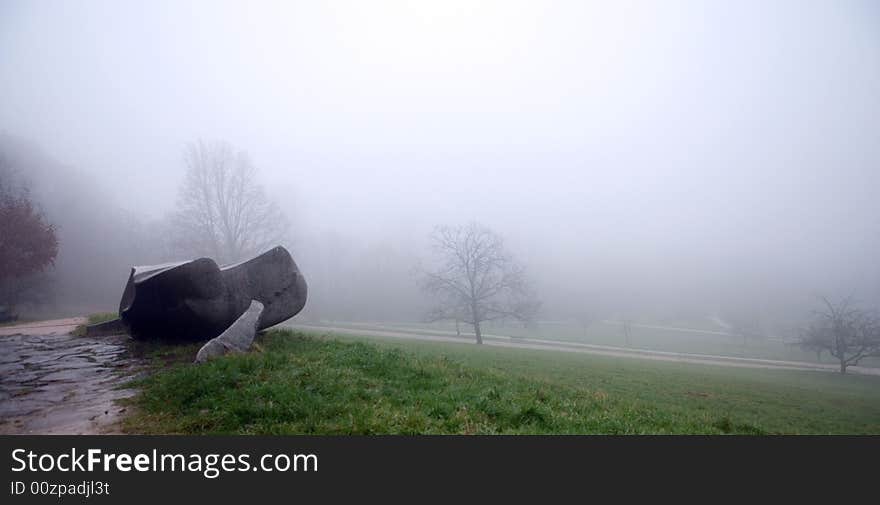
<point>66,245</point>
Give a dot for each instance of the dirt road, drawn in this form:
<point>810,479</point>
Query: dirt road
<point>54,383</point>
<point>601,350</point>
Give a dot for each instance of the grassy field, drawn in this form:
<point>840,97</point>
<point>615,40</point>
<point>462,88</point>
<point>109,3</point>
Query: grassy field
<point>301,383</point>
<point>699,337</point>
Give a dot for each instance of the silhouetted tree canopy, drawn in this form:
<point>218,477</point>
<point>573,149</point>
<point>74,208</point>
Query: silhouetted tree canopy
<point>28,243</point>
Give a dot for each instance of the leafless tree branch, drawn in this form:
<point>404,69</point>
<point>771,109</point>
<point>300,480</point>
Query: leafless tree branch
<point>846,332</point>
<point>476,280</point>
<point>223,212</point>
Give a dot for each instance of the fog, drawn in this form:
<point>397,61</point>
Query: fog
<point>660,159</point>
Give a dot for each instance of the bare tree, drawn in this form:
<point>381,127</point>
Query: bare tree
<point>626,324</point>
<point>223,212</point>
<point>848,334</point>
<point>745,325</point>
<point>585,319</point>
<point>476,280</point>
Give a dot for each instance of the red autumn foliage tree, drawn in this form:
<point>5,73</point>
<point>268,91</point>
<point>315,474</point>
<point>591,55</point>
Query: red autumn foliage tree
<point>28,244</point>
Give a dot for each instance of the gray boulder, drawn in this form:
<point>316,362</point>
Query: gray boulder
<point>237,338</point>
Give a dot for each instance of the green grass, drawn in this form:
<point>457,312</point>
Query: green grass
<point>100,317</point>
<point>299,383</point>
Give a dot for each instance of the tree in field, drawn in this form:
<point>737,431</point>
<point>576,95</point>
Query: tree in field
<point>223,212</point>
<point>585,318</point>
<point>847,333</point>
<point>476,279</point>
<point>745,325</point>
<point>28,243</point>
<point>626,325</point>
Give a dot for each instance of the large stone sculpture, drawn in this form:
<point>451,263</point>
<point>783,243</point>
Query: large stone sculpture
<point>197,300</point>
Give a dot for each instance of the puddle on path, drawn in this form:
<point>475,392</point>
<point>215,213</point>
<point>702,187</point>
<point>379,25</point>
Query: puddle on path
<point>54,383</point>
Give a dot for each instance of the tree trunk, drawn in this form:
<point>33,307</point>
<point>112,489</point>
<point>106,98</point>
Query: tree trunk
<point>478,333</point>
<point>842,366</point>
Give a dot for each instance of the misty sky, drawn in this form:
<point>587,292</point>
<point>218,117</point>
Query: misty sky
<point>721,142</point>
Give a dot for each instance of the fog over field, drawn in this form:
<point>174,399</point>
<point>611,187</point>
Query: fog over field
<point>658,160</point>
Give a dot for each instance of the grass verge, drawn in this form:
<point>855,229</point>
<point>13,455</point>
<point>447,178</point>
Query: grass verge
<point>101,317</point>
